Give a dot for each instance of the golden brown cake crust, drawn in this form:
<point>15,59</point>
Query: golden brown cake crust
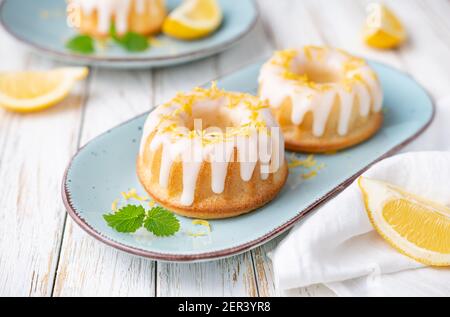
<point>219,206</point>
<point>324,99</point>
<point>311,144</point>
<point>144,24</point>
<point>299,138</point>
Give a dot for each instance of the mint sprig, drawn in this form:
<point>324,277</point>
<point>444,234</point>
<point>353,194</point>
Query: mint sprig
<point>131,41</point>
<point>158,220</point>
<point>83,44</point>
<point>128,219</point>
<point>161,222</point>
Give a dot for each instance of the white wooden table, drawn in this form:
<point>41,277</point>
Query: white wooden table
<point>42,251</point>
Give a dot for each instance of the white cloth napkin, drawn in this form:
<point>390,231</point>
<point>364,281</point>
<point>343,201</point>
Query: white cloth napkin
<point>337,245</point>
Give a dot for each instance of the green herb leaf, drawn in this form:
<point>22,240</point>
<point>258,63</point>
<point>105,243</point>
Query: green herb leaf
<point>127,219</point>
<point>83,44</point>
<point>113,33</point>
<point>161,222</point>
<point>131,41</point>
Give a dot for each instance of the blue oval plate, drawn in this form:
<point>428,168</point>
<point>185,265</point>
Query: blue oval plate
<point>106,166</point>
<point>42,25</point>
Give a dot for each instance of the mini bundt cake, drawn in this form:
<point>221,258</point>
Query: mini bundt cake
<point>324,99</point>
<point>95,17</point>
<point>212,154</point>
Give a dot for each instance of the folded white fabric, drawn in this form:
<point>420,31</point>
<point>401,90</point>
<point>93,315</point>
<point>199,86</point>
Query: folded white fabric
<point>338,246</point>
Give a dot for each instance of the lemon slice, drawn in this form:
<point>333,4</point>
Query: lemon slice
<point>383,29</point>
<point>193,19</point>
<point>36,90</point>
<point>415,226</point>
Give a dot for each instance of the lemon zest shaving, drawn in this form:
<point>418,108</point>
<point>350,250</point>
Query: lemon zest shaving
<point>153,41</point>
<point>132,193</point>
<point>114,205</point>
<point>310,174</point>
<point>313,173</point>
<point>202,223</point>
<point>196,234</point>
<point>309,162</point>
<point>168,122</point>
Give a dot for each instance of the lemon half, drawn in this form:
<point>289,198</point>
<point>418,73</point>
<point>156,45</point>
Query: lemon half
<point>193,19</point>
<point>36,90</point>
<point>415,226</point>
<point>383,29</point>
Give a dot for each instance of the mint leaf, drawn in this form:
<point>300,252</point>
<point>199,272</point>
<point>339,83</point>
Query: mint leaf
<point>127,219</point>
<point>131,41</point>
<point>113,33</point>
<point>83,44</point>
<point>161,222</point>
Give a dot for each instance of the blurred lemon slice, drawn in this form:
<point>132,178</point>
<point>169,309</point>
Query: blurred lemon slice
<point>193,19</point>
<point>36,90</point>
<point>383,29</point>
<point>415,226</point>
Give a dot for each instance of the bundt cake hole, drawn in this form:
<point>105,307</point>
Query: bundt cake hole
<point>209,115</point>
<point>320,73</point>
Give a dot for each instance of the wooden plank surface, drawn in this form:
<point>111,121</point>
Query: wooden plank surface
<point>31,213</point>
<point>43,253</point>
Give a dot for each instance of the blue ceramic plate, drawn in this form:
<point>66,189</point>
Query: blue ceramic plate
<point>106,166</point>
<point>42,25</point>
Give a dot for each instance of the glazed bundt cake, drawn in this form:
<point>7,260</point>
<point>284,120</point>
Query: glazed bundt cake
<point>95,17</point>
<point>324,99</point>
<point>212,154</point>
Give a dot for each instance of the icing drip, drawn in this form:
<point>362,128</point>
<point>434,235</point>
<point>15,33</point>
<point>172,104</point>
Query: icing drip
<point>219,166</point>
<point>248,134</point>
<point>345,98</point>
<point>117,9</point>
<point>190,174</point>
<point>285,76</point>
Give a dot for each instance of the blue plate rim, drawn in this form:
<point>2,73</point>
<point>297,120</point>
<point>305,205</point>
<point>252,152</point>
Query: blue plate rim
<point>241,248</point>
<point>135,59</point>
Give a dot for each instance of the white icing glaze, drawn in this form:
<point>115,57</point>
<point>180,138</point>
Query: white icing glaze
<point>357,83</point>
<point>253,143</point>
<point>119,9</point>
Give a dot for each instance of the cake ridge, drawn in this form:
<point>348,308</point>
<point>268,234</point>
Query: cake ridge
<point>253,138</point>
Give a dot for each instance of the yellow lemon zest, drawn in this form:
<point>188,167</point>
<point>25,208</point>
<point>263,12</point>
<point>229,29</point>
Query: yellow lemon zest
<point>196,234</point>
<point>313,173</point>
<point>284,58</point>
<point>307,163</point>
<point>169,122</point>
<point>308,53</point>
<point>309,174</point>
<point>132,193</point>
<point>114,205</point>
<point>155,42</point>
<point>202,222</point>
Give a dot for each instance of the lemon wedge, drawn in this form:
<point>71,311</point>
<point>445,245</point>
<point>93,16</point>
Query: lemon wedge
<point>383,29</point>
<point>36,90</point>
<point>415,226</point>
<point>193,19</point>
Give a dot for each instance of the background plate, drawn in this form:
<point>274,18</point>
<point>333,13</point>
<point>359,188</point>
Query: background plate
<point>42,25</point>
<point>106,166</point>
